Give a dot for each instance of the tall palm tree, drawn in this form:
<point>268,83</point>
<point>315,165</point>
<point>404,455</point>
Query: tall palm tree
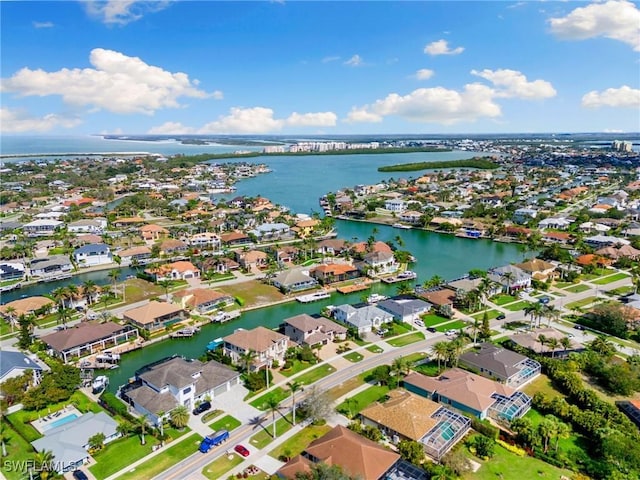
<point>552,313</point>
<point>293,388</point>
<point>533,310</point>
<point>440,350</point>
<point>44,463</point>
<point>246,359</point>
<point>273,405</point>
<point>166,284</point>
<point>566,343</point>
<point>553,343</point>
<point>543,341</point>
<point>113,275</point>
<point>89,288</point>
<point>141,423</point>
<point>10,314</point>
<point>400,366</point>
<point>509,277</point>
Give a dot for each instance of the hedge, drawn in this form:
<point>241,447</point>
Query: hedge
<point>485,428</point>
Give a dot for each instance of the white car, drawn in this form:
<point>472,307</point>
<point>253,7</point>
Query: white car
<point>451,333</point>
<point>419,323</point>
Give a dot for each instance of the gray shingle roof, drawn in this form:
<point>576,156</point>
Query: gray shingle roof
<point>494,359</point>
<point>10,361</point>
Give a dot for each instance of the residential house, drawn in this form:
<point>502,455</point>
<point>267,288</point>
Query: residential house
<point>233,239</point>
<point>523,215</point>
<point>128,222</point>
<point>271,231</point>
<point>140,255</point>
<point>304,228</point>
<point>155,315</point>
<point>510,277</point>
<point>87,338</point>
<point>69,442</point>
<point>304,329</point>
<point>410,417</point>
<point>358,457</point>
<point>557,237</point>
<point>160,387</point>
<point>14,364</point>
<point>287,255</point>
<point>378,263</point>
<point>294,280</point>
<point>27,306</point>
<point>395,205</point>
<point>95,226</point>
<point>205,240</point>
<point>498,363</point>
<point>220,265</point>
<point>411,216</point>
<point>599,241</point>
<point>266,345</point>
<point>405,309</point>
<point>92,255</point>
<point>441,297</point>
<point>470,393</point>
<point>203,300</point>
<point>557,223</point>
<point>538,269</point>
<point>252,259</point>
<point>12,271</point>
<point>152,233</point>
<point>172,246</point>
<point>531,340</point>
<point>334,272</point>
<point>181,270</point>
<point>331,246</point>
<point>50,266</point>
<point>363,318</point>
<point>41,228</point>
<point>631,408</point>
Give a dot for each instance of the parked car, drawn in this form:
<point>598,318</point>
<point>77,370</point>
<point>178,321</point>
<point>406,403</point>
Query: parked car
<point>431,329</point>
<point>578,327</point>
<point>502,316</point>
<point>544,300</point>
<point>203,407</point>
<point>451,333</point>
<point>419,323</point>
<point>383,332</point>
<point>242,450</point>
<point>80,475</point>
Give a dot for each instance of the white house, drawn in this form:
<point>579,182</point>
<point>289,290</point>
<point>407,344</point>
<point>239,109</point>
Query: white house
<point>95,226</point>
<point>395,205</point>
<point>364,319</point>
<point>41,228</point>
<point>204,239</point>
<point>92,255</point>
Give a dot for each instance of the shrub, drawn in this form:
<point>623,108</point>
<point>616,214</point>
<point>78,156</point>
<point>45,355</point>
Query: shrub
<point>512,448</point>
<point>485,428</point>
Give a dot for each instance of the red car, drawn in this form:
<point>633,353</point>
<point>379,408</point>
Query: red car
<point>242,450</point>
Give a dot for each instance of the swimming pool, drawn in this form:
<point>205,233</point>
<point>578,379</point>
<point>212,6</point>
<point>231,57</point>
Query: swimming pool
<point>60,421</point>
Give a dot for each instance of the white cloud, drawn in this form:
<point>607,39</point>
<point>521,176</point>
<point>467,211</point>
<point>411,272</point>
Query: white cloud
<point>615,19</point>
<point>623,97</point>
<point>118,83</point>
<point>612,130</point>
<point>355,61</point>
<point>15,121</point>
<point>441,47</point>
<point>170,128</point>
<point>121,12</point>
<point>319,119</point>
<point>43,24</point>
<point>330,59</point>
<point>432,105</point>
<point>424,74</point>
<point>512,83</point>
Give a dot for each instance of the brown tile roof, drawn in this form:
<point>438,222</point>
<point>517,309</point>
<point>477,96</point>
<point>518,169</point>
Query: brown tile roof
<point>81,334</point>
<point>461,386</point>
<point>376,247</point>
<point>148,313</point>
<point>335,268</point>
<point>172,244</point>
<point>134,251</point>
<point>406,413</point>
<point>231,236</point>
<point>356,455</point>
<point>199,296</point>
<point>307,323</point>
<point>153,228</point>
<point>24,306</point>
<point>535,265</point>
<point>443,296</point>
<point>259,339</point>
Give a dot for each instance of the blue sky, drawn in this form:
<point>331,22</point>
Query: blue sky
<point>319,67</point>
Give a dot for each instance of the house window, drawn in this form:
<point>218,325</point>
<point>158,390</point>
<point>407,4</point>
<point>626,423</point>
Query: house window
<point>186,390</point>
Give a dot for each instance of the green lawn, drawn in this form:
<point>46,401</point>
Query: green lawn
<point>354,357</point>
<point>502,299</point>
<point>359,401</point>
<point>541,384</point>
<point>296,366</point>
<point>265,436</point>
<point>581,287</point>
<point>432,319</point>
<point>458,324</point>
<point>581,303</point>
<point>18,450</point>
<point>406,339</point>
<point>505,465</point>
<point>298,442</point>
<point>491,314</point>
<point>514,307</point>
<point>563,284</point>
<point>279,393</point>
<point>415,357</point>
<point>345,387</point>
<point>611,278</point>
<point>227,422</point>
<point>316,374</point>
<point>216,470</point>
<point>396,328</point>
<point>429,369</point>
<point>621,290</point>
<point>120,453</point>
<point>165,460</point>
<point>574,441</point>
<point>374,349</point>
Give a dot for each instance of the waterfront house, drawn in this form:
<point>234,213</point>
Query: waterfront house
<point>12,271</point>
<point>378,263</point>
<point>95,226</point>
<point>470,393</point>
<point>203,300</point>
<point>172,246</point>
<point>304,329</point>
<point>233,239</point>
<point>600,241</point>
<point>41,228</point>
<point>28,306</point>
<point>331,246</point>
<point>405,309</point>
<point>155,315</point>
<point>152,233</point>
<point>266,345</point>
<point>357,457</point>
<point>141,255</point>
<point>538,269</point>
<point>294,280</point>
<point>440,297</point>
<point>271,231</point>
<point>304,228</point>
<point>205,240</point>
<point>363,318</point>
<point>128,222</point>
<point>510,277</point>
<point>92,255</point>
<point>87,338</point>
<point>557,223</point>
<point>498,363</point>
<point>50,266</point>
<point>252,259</point>
<point>557,237</point>
<point>162,386</point>
<point>531,341</point>
<point>334,272</point>
<point>14,364</point>
<point>395,205</point>
<point>407,416</point>
<point>69,442</point>
<point>523,215</point>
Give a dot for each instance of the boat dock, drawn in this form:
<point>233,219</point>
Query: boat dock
<point>353,288</point>
<point>187,332</point>
<point>222,317</point>
<point>313,297</point>
<point>401,277</point>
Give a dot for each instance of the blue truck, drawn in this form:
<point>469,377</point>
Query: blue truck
<point>213,440</point>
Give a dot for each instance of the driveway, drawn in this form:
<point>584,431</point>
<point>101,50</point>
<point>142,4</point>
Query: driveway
<point>232,402</point>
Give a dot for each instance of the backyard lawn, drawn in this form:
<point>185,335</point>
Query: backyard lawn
<point>611,278</point>
<point>406,339</point>
<point>227,423</point>
<point>279,393</point>
<point>541,384</point>
<point>353,405</point>
<point>216,470</point>
<point>581,287</point>
<point>297,443</point>
<point>253,293</point>
<point>354,357</point>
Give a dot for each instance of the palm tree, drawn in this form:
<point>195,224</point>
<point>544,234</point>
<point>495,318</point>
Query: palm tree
<point>563,430</point>
<point>293,388</point>
<point>566,343</point>
<point>273,405</point>
<point>141,423</point>
<point>552,313</point>
<point>246,359</point>
<point>166,284</point>
<point>10,314</point>
<point>400,366</point>
<point>553,343</point>
<point>440,350</point>
<point>65,316</point>
<point>113,276</point>
<point>180,416</point>
<point>509,277</point>
<point>44,463</point>
<point>59,296</point>
<point>533,309</point>
<point>543,340</point>
<point>89,288</point>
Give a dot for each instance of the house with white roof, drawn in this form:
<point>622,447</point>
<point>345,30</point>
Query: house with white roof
<point>41,228</point>
<point>93,254</point>
<point>510,277</point>
<point>363,318</point>
<point>405,309</point>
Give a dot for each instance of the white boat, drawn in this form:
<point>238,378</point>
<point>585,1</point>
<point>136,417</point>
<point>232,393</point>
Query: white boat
<point>376,297</point>
<point>99,383</point>
<point>401,225</point>
<point>313,297</point>
<point>407,274</point>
